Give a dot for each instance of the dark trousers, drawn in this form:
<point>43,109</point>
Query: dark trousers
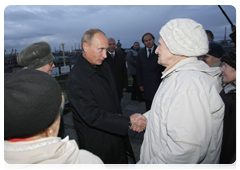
<point>148,104</point>
<point>136,92</point>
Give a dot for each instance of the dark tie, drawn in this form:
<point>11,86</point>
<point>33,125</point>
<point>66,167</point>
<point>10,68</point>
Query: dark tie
<point>112,55</point>
<point>149,52</point>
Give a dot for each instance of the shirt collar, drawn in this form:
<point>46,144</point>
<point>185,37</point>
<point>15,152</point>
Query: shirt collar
<point>112,53</point>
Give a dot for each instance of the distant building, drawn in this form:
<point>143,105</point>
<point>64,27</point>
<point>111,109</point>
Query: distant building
<point>119,49</point>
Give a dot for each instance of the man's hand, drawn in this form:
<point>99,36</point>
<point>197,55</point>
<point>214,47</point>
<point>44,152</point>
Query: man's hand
<point>139,122</point>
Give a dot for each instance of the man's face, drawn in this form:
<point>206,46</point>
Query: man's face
<point>136,46</point>
<point>148,41</point>
<point>111,45</point>
<point>96,52</point>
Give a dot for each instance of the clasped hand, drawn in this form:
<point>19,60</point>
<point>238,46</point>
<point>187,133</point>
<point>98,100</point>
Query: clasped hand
<point>139,122</point>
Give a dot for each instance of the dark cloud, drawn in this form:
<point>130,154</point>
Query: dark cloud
<point>58,24</point>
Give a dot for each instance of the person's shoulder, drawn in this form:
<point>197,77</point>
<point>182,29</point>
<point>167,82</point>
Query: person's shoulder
<point>87,157</point>
<point>120,55</point>
<point>142,50</point>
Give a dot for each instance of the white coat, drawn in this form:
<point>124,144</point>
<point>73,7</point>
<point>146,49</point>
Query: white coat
<point>51,150</point>
<point>184,125</point>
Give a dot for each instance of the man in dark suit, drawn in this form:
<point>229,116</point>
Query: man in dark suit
<point>149,72</point>
<point>97,116</point>
<point>117,63</point>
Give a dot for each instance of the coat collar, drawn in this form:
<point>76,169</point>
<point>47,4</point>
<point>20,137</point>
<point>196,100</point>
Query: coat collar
<point>191,63</point>
<point>87,67</point>
<point>153,51</point>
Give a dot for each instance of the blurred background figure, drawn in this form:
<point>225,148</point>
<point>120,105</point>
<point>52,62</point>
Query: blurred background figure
<point>32,107</point>
<point>136,94</point>
<point>209,35</point>
<point>117,63</point>
<point>213,59</point>
<point>149,72</point>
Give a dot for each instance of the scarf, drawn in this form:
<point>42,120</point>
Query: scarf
<point>231,87</point>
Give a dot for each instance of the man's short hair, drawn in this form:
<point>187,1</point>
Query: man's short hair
<point>147,34</point>
<point>111,39</point>
<point>88,35</point>
<point>136,42</point>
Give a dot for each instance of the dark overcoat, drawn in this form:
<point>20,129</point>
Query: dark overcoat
<point>149,72</point>
<point>97,115</point>
<point>228,152</point>
<point>118,67</point>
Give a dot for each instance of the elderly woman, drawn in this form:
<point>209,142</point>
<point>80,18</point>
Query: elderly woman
<point>228,94</point>
<point>37,56</point>
<point>32,107</point>
<point>186,119</point>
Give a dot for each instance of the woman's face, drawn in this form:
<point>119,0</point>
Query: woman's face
<point>165,57</point>
<point>47,68</point>
<point>228,73</point>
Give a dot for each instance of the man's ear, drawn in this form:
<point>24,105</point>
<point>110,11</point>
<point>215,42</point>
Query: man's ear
<point>85,46</point>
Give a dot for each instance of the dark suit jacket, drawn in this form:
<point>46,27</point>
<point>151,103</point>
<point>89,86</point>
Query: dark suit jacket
<point>97,114</point>
<point>149,73</point>
<point>118,67</point>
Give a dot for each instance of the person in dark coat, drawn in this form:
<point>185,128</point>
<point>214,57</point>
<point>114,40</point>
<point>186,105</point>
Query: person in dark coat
<point>97,116</point>
<point>149,72</point>
<point>233,34</point>
<point>136,94</point>
<point>117,63</point>
<point>228,94</point>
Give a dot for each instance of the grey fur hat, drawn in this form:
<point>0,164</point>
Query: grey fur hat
<point>35,55</point>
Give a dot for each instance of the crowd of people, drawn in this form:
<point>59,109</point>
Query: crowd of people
<point>188,84</point>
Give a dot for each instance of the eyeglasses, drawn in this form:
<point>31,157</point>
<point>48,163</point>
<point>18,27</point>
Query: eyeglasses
<point>51,63</point>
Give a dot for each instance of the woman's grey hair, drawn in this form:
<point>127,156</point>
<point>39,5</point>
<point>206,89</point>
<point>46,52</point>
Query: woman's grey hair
<point>88,35</point>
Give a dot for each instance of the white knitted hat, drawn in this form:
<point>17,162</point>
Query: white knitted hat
<point>185,37</point>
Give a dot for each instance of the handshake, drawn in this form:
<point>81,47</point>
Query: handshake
<point>139,122</point>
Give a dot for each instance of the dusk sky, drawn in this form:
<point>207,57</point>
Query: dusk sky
<point>56,24</point>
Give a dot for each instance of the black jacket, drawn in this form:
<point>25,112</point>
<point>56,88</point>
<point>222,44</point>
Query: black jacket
<point>228,152</point>
<point>233,37</point>
<point>97,114</point>
<point>118,67</point>
<point>149,73</point>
